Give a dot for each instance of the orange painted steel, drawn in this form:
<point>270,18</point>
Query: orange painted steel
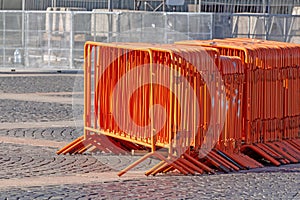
<point>71,146</point>
<point>272,153</point>
<point>271,111</point>
<point>232,70</point>
<point>106,65</point>
<point>260,152</point>
<point>261,80</point>
<point>231,137</point>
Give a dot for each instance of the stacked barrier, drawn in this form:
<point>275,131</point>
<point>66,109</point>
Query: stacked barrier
<point>233,75</point>
<point>271,111</point>
<point>226,103</point>
<point>231,137</point>
<point>109,127</point>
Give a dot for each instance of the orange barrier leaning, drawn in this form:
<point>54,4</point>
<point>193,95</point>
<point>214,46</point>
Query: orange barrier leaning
<point>270,112</point>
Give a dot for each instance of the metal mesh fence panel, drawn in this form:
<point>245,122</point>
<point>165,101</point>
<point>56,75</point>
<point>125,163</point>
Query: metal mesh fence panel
<point>12,35</point>
<point>36,39</point>
<point>55,39</point>
<point>271,27</point>
<point>216,6</point>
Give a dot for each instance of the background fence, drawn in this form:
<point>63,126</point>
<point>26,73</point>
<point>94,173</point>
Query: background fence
<point>223,6</point>
<point>55,39</point>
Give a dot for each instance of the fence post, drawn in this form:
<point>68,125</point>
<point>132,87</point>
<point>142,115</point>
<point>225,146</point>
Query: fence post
<point>50,22</point>
<point>109,6</point>
<point>53,3</point>
<point>212,25</point>
<point>188,28</point>
<point>4,39</point>
<point>23,23</point>
<point>71,39</point>
<point>110,25</point>
<point>165,27</point>
<point>94,25</point>
<point>118,25</point>
<point>288,27</point>
<point>267,26</point>
<point>199,6</point>
<point>249,26</point>
<point>26,33</point>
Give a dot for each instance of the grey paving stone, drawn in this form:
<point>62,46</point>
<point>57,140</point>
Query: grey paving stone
<point>51,133</point>
<point>41,84</point>
<point>19,161</point>
<point>183,187</point>
<point>26,111</point>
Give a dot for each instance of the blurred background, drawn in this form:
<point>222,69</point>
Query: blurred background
<point>50,34</point>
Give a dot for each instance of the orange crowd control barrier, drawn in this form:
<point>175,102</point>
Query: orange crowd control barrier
<point>271,112</point>
<point>145,76</point>
<point>198,106</point>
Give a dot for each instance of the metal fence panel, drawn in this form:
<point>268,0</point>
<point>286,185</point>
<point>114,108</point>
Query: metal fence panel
<point>222,25</point>
<point>153,28</point>
<point>12,35</point>
<point>284,28</point>
<point>55,39</point>
<point>292,28</point>
<point>278,27</point>
<point>200,27</point>
<point>221,6</point>
<point>36,39</point>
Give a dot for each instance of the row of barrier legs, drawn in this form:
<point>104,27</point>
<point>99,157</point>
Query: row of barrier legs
<point>251,156</point>
<point>193,162</point>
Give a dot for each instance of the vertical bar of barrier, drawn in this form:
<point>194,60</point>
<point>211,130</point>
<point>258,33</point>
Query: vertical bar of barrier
<point>153,137</point>
<point>96,79</point>
<point>87,88</point>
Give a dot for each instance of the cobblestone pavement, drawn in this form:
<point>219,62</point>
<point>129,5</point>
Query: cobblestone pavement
<point>37,116</point>
<point>271,185</point>
<point>30,83</point>
<point>55,134</point>
<point>24,111</point>
<point>19,161</point>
